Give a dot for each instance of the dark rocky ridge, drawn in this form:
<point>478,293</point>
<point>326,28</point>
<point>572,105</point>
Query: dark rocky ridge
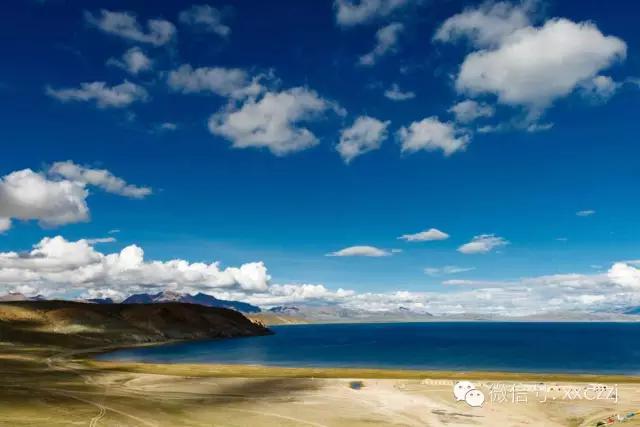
<point>199,298</point>
<point>76,324</point>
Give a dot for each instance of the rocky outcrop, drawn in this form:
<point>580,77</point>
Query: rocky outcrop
<point>199,298</point>
<point>79,324</point>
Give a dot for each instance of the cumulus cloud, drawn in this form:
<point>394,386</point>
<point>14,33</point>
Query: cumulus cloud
<point>100,178</point>
<point>57,197</point>
<point>600,88</point>
<point>425,236</point>
<point>56,263</point>
<point>118,96</point>
<point>133,61</point>
<point>298,293</point>
<point>394,93</point>
<point>273,121</point>
<point>125,25</point>
<point>431,134</point>
<point>350,12</point>
<point>446,270</point>
<point>28,195</point>
<point>206,19</point>
<point>467,111</point>
<point>625,275</point>
<point>533,66</point>
<point>366,251</point>
<point>486,25</point>
<point>364,135</point>
<point>587,212</point>
<point>226,82</point>
<point>483,244</point>
<point>386,41</point>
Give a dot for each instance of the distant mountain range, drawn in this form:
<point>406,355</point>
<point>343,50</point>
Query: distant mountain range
<point>332,313</point>
<point>287,310</point>
<point>199,299</point>
<point>166,296</point>
<point>15,296</point>
<point>314,313</point>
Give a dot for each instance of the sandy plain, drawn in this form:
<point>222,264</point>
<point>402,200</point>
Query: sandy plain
<point>48,386</point>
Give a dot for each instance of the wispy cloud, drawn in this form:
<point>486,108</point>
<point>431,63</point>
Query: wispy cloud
<point>483,244</point>
<point>362,251</point>
<point>394,93</point>
<point>104,96</point>
<point>446,270</point>
<point>425,236</point>
<point>125,25</point>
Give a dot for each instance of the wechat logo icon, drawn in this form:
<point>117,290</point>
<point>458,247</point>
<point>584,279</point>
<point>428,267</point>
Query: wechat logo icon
<point>467,391</point>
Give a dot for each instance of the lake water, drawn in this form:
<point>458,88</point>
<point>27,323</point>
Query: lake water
<point>604,348</point>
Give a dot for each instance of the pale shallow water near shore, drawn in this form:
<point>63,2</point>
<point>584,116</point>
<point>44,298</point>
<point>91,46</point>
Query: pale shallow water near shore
<point>591,348</point>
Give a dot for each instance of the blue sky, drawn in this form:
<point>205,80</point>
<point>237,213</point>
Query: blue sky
<point>217,197</point>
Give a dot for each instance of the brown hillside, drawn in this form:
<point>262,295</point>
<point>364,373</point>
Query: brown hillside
<point>75,324</point>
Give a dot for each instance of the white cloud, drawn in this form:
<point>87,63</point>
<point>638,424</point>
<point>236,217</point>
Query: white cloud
<point>298,293</point>
<point>168,126</point>
<point>101,178</point>
<point>600,88</point>
<point>587,212</point>
<point>133,61</point>
<point>205,18</point>
<point>364,135</point>
<point>125,25</point>
<point>431,134</point>
<point>55,199</point>
<point>5,224</point>
<point>425,236</point>
<point>395,94</point>
<point>482,244</point>
<point>227,82</point>
<point>532,66</point>
<point>486,25</point>
<point>539,127</point>
<point>56,263</point>
<point>386,41</point>
<point>350,12</point>
<point>447,269</point>
<point>118,96</point>
<point>625,275</point>
<point>27,195</point>
<point>100,240</point>
<point>467,111</point>
<point>273,121</point>
<point>366,251</point>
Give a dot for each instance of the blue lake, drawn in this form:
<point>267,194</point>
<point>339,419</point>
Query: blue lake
<point>604,348</point>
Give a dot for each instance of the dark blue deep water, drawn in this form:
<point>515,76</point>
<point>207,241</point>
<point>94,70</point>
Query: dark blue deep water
<point>521,347</point>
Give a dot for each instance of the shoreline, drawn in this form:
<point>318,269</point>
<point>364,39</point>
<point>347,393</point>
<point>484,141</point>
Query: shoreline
<point>629,319</point>
<point>262,371</point>
<point>268,371</point>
